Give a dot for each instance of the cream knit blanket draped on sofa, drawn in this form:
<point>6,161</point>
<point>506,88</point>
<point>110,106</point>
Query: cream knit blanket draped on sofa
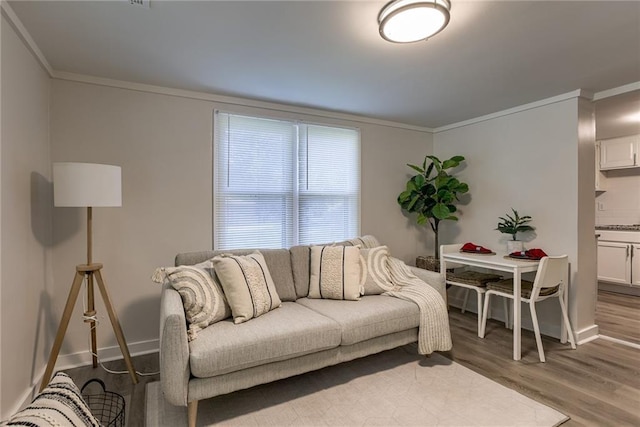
<point>433,331</point>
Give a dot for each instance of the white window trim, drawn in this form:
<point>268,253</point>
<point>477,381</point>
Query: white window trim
<point>295,163</point>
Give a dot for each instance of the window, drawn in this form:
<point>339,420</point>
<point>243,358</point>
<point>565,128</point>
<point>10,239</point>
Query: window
<point>282,183</point>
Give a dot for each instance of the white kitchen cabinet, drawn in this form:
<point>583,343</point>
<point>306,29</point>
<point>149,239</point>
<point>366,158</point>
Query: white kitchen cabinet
<point>614,262</point>
<point>619,153</point>
<point>635,264</point>
<point>601,179</point>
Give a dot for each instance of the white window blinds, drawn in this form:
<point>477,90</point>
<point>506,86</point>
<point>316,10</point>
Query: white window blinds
<point>281,183</point>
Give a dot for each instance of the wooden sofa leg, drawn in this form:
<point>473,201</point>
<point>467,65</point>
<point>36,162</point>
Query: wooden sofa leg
<point>192,413</point>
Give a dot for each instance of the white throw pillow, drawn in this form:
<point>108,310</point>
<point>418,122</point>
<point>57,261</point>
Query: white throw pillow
<point>378,275</point>
<point>59,404</point>
<point>202,296</point>
<point>247,284</point>
<point>336,273</point>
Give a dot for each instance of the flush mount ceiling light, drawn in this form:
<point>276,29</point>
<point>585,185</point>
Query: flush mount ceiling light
<point>407,21</point>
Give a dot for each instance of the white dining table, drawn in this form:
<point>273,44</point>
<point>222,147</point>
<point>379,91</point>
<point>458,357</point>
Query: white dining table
<point>498,262</point>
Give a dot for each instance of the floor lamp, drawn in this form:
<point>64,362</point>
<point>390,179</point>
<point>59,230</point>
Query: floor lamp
<point>87,185</point>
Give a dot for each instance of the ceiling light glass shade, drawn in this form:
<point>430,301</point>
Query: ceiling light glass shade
<point>406,21</point>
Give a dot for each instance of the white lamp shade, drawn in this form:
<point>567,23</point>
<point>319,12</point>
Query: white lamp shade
<point>86,185</point>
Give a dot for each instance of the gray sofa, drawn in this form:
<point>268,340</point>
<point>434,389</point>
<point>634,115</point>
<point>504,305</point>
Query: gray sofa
<point>300,336</point>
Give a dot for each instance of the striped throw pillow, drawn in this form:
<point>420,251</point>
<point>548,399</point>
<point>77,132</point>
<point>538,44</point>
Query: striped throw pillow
<point>378,275</point>
<point>59,404</point>
<point>247,284</point>
<point>202,296</point>
<point>336,273</point>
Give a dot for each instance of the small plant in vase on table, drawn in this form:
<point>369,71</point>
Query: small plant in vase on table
<point>513,225</point>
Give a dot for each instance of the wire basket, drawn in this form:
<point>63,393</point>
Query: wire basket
<point>106,406</point>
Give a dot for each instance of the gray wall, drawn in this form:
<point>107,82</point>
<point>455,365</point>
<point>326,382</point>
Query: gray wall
<point>537,162</point>
<point>27,326</point>
<point>163,144</point>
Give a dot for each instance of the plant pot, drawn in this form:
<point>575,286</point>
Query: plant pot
<point>514,246</point>
<point>430,263</point>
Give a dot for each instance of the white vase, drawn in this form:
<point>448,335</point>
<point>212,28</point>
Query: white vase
<point>514,246</point>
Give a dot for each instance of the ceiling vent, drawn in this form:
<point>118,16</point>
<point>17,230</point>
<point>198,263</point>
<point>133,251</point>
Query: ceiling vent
<point>141,3</point>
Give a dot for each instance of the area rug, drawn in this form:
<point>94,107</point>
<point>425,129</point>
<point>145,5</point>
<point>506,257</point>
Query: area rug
<point>393,388</point>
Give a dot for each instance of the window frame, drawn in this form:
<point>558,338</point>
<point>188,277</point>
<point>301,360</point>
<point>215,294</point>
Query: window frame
<point>296,194</point>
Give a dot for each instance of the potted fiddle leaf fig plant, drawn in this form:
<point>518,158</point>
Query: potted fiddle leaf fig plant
<point>432,194</point>
<point>513,225</point>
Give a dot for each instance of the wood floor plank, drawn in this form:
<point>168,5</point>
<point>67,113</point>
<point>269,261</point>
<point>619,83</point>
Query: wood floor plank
<point>618,316</point>
<point>596,385</point>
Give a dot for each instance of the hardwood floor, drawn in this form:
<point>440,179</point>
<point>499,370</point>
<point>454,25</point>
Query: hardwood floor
<point>596,385</point>
<point>618,316</point>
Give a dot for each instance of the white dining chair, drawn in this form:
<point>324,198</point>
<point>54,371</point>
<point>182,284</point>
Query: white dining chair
<point>548,283</point>
<point>468,280</point>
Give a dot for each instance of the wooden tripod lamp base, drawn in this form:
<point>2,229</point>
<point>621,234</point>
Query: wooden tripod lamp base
<point>91,271</point>
<point>87,185</point>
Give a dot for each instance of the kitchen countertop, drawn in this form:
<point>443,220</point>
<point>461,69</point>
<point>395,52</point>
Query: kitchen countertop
<point>624,236</point>
<point>634,227</point>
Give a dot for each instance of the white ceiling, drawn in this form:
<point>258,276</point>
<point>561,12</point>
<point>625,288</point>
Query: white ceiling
<point>493,55</point>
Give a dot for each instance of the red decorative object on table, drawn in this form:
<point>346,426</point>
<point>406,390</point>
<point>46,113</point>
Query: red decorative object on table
<point>476,249</point>
<point>533,254</point>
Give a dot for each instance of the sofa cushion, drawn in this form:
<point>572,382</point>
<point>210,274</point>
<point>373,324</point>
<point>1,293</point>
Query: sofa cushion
<point>367,241</point>
<point>202,296</point>
<point>371,317</point>
<point>378,278</point>
<point>247,284</point>
<point>301,257</point>
<point>336,273</point>
<point>278,261</point>
<point>291,330</point>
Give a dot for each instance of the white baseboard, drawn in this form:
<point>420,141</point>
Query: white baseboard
<point>587,334</point>
<point>619,341</point>
<point>106,354</point>
<point>551,328</point>
<point>75,360</point>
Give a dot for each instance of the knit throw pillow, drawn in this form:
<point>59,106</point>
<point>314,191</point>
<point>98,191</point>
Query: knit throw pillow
<point>202,296</point>
<point>378,278</point>
<point>59,404</point>
<point>336,273</point>
<point>247,284</point>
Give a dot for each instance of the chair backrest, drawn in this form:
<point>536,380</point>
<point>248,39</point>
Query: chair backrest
<point>551,272</point>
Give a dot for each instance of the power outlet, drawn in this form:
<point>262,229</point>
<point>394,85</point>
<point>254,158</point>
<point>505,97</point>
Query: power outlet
<point>600,206</point>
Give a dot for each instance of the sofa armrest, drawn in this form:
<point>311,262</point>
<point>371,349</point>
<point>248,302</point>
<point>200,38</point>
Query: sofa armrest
<point>431,278</point>
<point>174,348</point>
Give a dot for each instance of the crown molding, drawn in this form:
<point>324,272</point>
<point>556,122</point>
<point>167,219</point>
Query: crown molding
<point>230,100</point>
<point>13,19</point>
<point>579,93</point>
<point>616,91</point>
<point>11,16</point>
